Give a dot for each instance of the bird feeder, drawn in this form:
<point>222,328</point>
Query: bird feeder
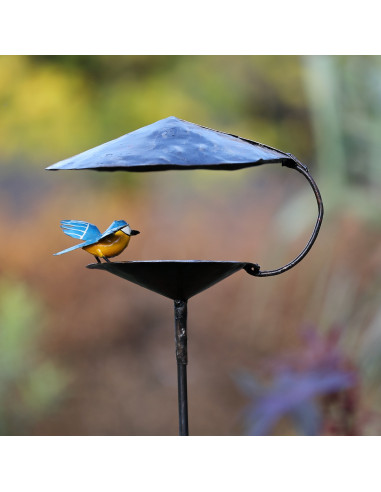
<point>175,144</point>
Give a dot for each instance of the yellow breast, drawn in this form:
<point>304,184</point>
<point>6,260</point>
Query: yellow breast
<point>110,246</point>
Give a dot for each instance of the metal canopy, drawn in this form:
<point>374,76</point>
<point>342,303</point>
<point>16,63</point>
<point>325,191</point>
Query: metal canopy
<point>173,143</point>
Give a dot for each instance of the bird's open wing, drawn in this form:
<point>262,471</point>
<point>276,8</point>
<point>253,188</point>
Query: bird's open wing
<point>115,226</point>
<point>81,230</point>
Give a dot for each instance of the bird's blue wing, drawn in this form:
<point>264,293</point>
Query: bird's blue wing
<point>115,226</point>
<point>80,245</point>
<point>81,230</point>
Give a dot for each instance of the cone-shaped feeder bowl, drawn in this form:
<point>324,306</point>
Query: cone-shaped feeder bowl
<point>176,279</point>
<point>175,144</point>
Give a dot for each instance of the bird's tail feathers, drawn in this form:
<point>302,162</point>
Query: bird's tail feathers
<point>69,249</point>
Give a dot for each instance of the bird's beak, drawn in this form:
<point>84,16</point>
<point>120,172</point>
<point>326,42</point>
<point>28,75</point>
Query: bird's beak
<point>134,233</point>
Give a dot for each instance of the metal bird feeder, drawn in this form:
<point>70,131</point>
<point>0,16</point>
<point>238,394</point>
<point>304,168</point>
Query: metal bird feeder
<point>175,144</point>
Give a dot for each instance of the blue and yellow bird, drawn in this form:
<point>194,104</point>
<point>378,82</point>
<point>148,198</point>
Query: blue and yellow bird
<point>111,243</point>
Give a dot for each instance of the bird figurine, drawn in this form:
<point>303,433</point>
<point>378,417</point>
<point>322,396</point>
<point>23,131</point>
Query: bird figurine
<point>111,243</point>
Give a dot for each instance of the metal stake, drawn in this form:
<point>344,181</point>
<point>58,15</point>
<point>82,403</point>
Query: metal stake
<point>182,361</point>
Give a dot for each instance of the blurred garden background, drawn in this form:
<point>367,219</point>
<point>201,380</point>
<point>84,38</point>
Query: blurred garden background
<point>86,353</point>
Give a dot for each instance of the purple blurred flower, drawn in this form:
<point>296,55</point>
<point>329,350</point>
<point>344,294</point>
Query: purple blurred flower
<point>319,369</point>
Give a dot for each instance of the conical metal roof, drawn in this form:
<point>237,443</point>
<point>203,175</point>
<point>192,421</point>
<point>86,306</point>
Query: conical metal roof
<point>173,143</point>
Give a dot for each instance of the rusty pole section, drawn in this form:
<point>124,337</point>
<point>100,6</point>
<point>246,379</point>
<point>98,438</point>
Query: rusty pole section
<point>182,361</point>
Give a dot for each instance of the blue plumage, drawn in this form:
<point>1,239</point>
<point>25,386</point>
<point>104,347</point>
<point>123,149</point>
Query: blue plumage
<point>89,233</point>
<point>80,229</point>
<point>117,225</point>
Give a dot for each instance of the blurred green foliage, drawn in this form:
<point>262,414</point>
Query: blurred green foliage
<point>55,106</point>
<point>344,96</point>
<point>30,384</point>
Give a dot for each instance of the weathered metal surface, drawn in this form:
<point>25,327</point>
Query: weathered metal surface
<point>182,361</point>
<point>173,143</point>
<point>176,279</point>
<point>181,331</point>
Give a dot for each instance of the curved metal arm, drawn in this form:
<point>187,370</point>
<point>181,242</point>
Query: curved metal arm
<point>254,269</point>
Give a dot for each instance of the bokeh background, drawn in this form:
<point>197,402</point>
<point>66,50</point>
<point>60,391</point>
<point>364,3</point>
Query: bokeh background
<point>85,353</point>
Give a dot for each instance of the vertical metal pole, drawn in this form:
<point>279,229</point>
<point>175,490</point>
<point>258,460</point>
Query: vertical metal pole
<point>182,361</point>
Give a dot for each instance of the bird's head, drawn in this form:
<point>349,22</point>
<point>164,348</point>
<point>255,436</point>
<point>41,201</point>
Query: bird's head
<point>127,230</point>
